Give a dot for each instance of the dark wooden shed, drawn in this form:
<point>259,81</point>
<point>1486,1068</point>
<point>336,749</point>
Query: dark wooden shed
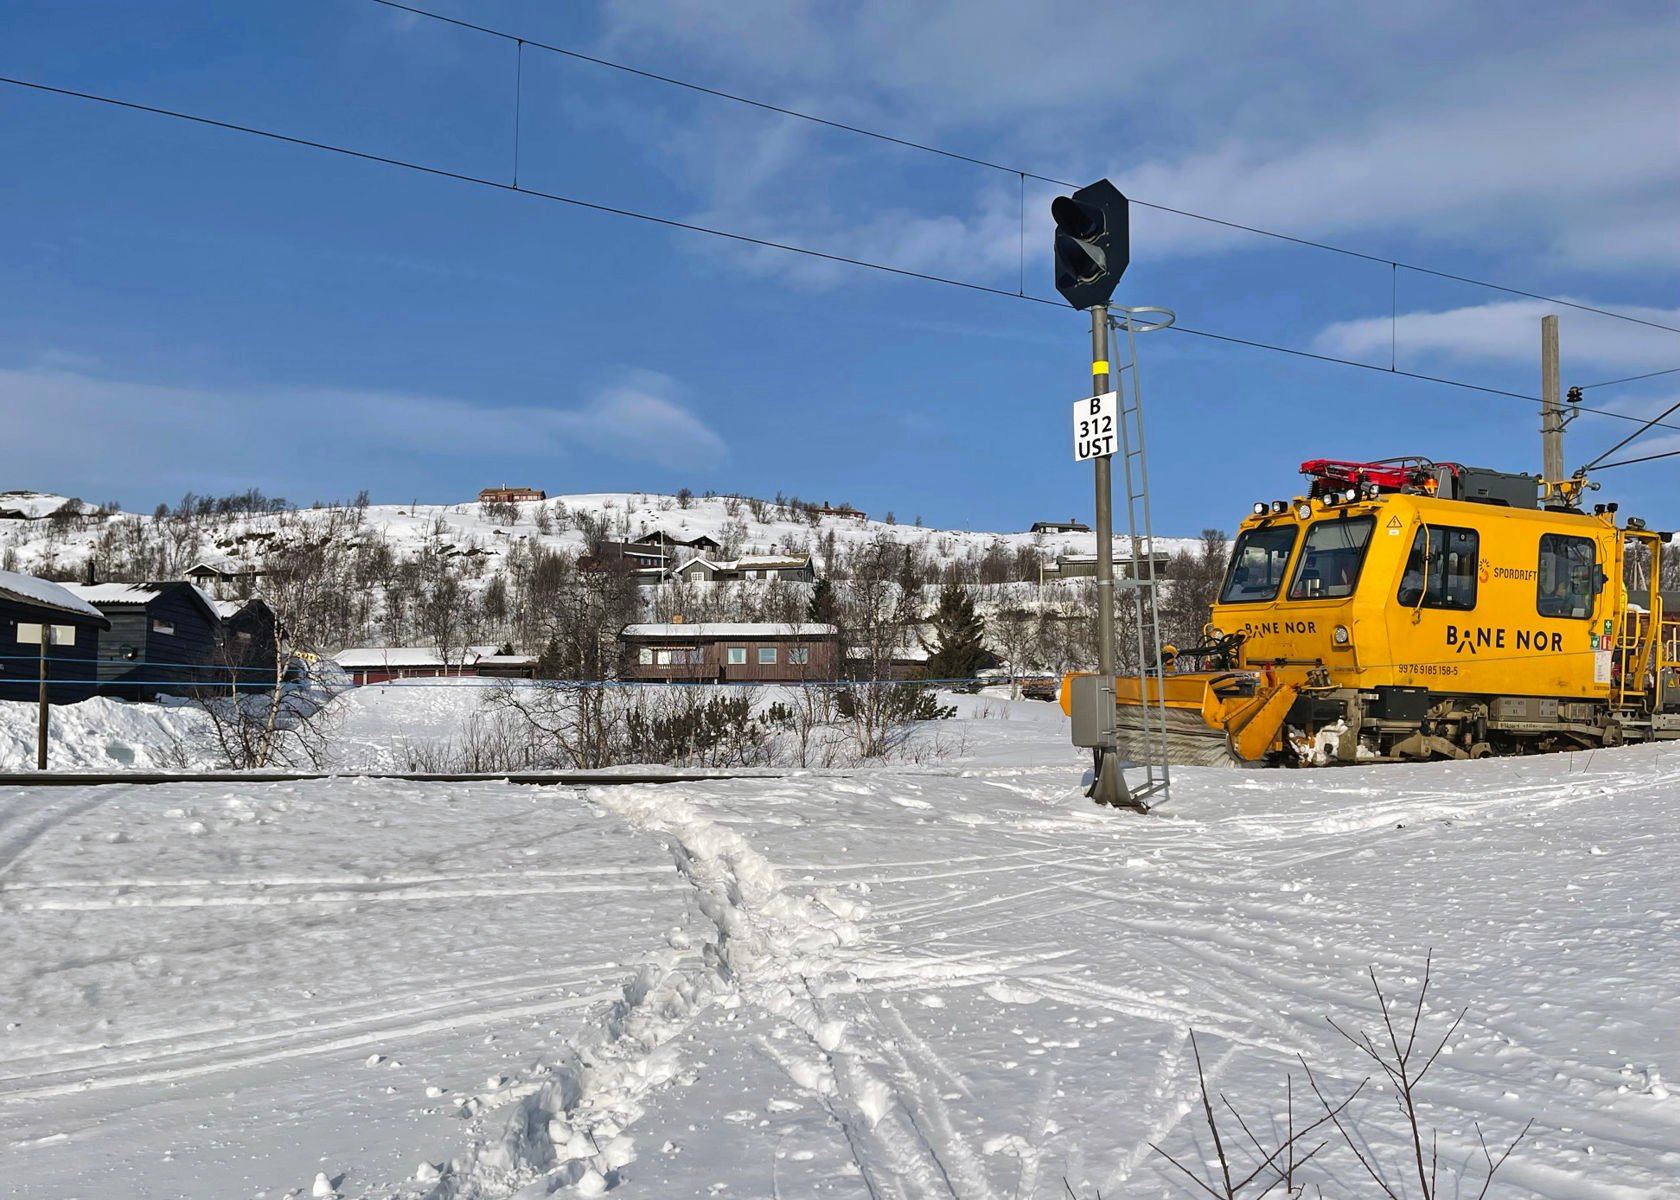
<point>163,637</point>
<point>245,645</point>
<point>73,642</point>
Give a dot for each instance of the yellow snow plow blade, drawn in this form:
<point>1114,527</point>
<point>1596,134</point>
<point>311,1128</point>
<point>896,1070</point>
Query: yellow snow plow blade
<point>1212,717</point>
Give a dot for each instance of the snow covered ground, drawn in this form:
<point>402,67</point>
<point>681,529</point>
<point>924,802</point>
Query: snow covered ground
<point>953,979</point>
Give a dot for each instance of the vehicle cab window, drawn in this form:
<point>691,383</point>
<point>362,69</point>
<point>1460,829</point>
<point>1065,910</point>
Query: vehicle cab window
<point>1441,569</point>
<point>1331,558</point>
<point>1257,564</point>
<point>1569,576</point>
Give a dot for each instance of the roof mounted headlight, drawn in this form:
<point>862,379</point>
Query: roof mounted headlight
<point>1303,510</point>
<point>1351,495</point>
<point>1260,508</point>
<point>1280,506</point>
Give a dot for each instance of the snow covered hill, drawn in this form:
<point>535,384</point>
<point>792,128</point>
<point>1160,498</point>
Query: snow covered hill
<point>239,537</point>
<point>959,979</point>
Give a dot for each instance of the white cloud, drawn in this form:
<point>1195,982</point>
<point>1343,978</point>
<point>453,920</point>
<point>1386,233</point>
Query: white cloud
<point>130,434</point>
<point>1441,122</point>
<point>980,246</point>
<point>638,420</point>
<point>1508,331</point>
<point>1503,169</point>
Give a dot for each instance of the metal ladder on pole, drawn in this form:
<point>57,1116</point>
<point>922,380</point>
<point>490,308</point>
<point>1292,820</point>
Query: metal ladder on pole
<point>1141,586</point>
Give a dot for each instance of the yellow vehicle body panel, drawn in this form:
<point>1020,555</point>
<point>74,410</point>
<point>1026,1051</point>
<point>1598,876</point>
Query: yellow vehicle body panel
<point>1502,646</point>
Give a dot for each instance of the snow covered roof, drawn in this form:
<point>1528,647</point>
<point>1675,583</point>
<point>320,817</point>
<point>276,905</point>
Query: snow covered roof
<point>26,589</point>
<point>752,562</point>
<point>728,629</point>
<point>771,560</point>
<point>220,566</point>
<point>115,593</point>
<point>364,657</point>
<point>138,595</point>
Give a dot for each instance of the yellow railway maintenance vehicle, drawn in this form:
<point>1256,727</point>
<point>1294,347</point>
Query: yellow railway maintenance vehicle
<point>1408,609</point>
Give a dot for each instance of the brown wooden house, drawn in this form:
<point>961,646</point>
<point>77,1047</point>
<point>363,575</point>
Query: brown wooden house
<point>510,495</point>
<point>739,652</point>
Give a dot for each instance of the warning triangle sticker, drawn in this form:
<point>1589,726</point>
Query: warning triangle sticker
<point>1394,522</point>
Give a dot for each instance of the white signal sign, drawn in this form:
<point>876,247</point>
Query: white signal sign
<point>1096,423</point>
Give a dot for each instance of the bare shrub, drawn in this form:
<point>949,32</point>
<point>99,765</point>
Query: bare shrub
<point>882,715</point>
<point>1250,1165</point>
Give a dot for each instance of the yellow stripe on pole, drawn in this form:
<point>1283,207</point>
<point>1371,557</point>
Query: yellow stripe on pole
<point>1100,367</point>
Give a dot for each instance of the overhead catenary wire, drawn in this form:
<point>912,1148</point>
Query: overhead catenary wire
<point>730,235</point>
<point>926,148</point>
<point>1643,429</point>
<point>1585,387</point>
<point>1628,462</point>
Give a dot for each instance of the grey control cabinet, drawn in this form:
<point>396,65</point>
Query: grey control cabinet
<point>1091,702</point>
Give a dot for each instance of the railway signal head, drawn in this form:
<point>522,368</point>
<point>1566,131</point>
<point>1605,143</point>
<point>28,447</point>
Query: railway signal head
<point>1093,243</point>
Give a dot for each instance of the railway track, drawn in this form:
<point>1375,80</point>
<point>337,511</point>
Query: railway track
<point>540,778</point>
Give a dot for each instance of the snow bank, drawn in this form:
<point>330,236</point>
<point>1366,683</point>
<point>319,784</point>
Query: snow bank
<point>102,734</point>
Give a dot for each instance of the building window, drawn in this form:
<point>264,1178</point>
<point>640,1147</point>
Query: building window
<point>798,656</point>
<point>1440,569</point>
<point>162,627</point>
<point>737,656</point>
<point>645,656</point>
<point>767,656</point>
<point>1569,576</point>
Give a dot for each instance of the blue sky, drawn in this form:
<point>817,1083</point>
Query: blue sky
<point>183,308</point>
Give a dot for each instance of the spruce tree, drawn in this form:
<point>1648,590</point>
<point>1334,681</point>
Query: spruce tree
<point>958,650</point>
<point>823,609</point>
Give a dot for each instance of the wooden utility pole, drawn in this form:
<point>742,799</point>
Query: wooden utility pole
<point>1551,406</point>
<point>41,715</point>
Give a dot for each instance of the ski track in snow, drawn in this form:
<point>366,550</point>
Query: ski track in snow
<point>185,1053</point>
<point>887,1088</point>
<point>38,814</point>
<point>947,984</point>
<point>782,953</point>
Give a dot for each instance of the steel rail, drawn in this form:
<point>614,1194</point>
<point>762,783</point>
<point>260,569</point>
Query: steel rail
<point>22,779</point>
